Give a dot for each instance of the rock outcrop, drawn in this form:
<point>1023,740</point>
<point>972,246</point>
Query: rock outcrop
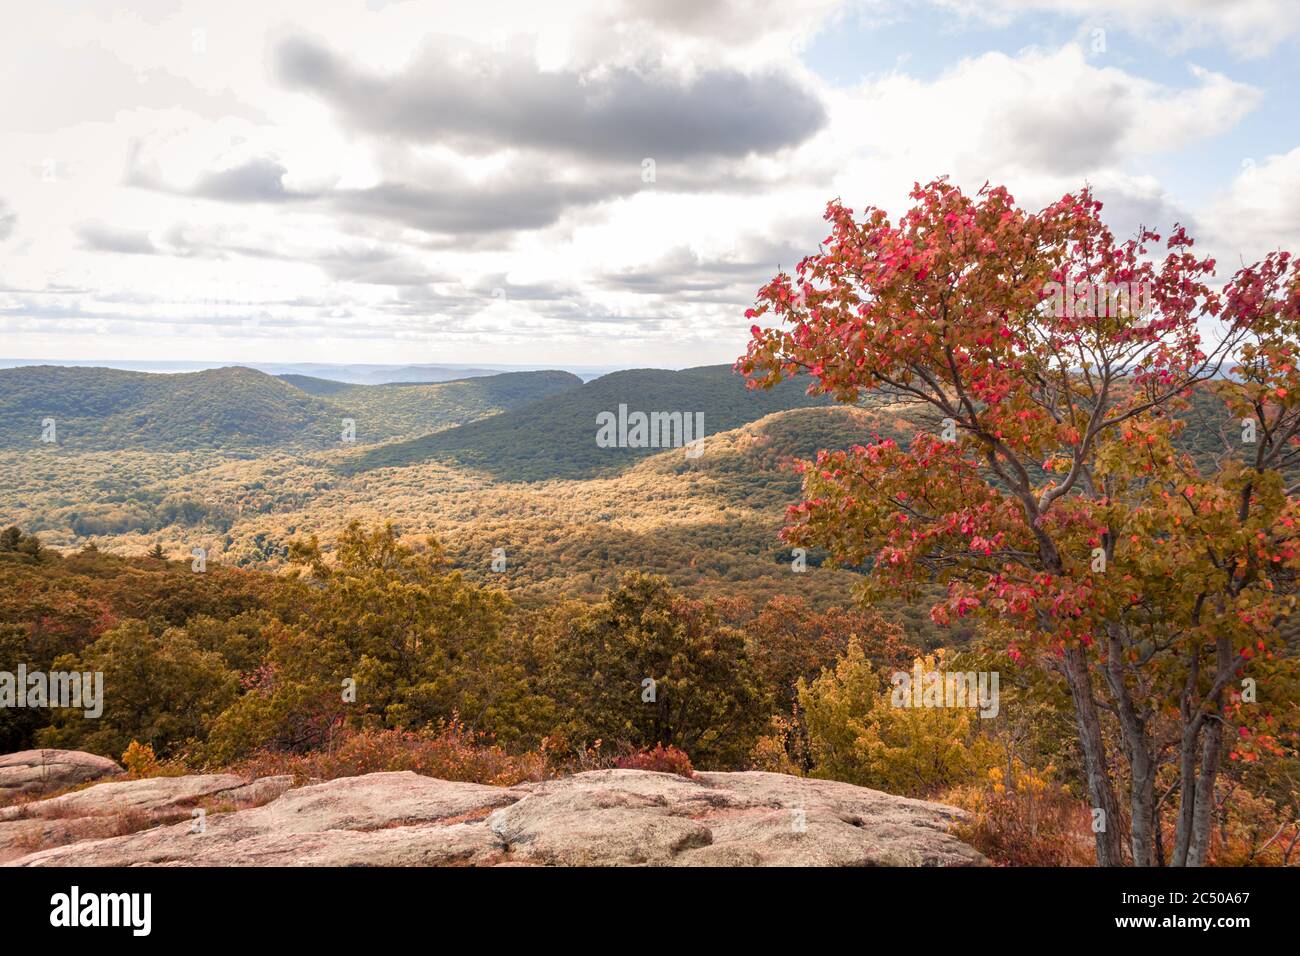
<point>122,807</point>
<point>600,818</point>
<point>43,771</point>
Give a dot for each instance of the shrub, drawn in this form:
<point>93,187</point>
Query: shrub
<point>140,761</point>
<point>856,735</point>
<point>785,747</point>
<point>161,688</point>
<point>648,666</point>
<point>661,760</point>
<point>1025,818</point>
<point>448,751</point>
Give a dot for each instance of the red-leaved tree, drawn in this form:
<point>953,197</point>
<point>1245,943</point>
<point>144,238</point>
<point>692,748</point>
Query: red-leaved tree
<point>1104,471</point>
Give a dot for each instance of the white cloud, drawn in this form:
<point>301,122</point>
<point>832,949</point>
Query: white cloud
<point>166,194</point>
<point>1260,212</point>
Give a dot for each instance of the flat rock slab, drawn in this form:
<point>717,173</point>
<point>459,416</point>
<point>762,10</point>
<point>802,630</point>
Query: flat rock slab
<point>600,818</point>
<point>150,795</point>
<point>43,771</point>
<point>122,807</point>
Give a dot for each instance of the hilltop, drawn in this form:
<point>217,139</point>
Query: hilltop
<point>556,436</point>
<point>237,410</point>
<point>416,408</point>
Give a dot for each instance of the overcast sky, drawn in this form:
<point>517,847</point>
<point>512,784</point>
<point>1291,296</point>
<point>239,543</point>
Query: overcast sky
<point>567,183</point>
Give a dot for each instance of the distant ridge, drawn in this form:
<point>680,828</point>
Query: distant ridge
<point>239,409</point>
<point>556,436</point>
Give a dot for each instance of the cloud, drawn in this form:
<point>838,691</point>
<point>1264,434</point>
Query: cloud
<point>691,275</point>
<point>258,180</point>
<point>1130,204</point>
<point>8,221</point>
<point>1260,211</point>
<point>100,237</point>
<point>1251,28</point>
<point>372,265</point>
<point>503,206</point>
<point>441,196</point>
<point>722,19</point>
<point>388,182</point>
<point>361,262</point>
<point>68,83</point>
<point>478,100</point>
<point>1049,113</point>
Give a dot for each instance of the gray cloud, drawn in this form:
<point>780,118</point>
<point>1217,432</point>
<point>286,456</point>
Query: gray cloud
<point>683,274</point>
<point>498,207</point>
<point>436,198</point>
<point>478,100</point>
<point>258,180</point>
<point>441,200</point>
<point>100,237</point>
<point>1128,211</point>
<point>719,20</point>
<point>372,266</point>
<point>1070,137</point>
<point>683,271</point>
<point>365,263</point>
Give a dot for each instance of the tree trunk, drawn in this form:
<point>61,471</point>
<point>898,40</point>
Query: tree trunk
<point>1203,818</point>
<point>1186,793</point>
<point>1138,750</point>
<point>1196,797</point>
<point>1110,850</point>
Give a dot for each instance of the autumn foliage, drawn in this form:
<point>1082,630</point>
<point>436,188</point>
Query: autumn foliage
<point>1050,494</point>
<point>659,759</point>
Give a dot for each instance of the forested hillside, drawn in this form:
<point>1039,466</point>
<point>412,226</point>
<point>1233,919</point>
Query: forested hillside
<point>239,410</point>
<point>556,437</point>
<point>415,409</point>
<point>475,658</point>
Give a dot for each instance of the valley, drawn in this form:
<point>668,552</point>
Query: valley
<point>526,475</point>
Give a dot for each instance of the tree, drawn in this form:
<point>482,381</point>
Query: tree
<point>159,690</point>
<point>1058,366</point>
<point>385,635</point>
<point>157,553</point>
<point>788,640</point>
<point>855,734</point>
<point>24,546</point>
<point>649,667</point>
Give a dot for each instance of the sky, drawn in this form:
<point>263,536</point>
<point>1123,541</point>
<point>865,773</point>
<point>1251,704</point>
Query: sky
<point>567,183</point>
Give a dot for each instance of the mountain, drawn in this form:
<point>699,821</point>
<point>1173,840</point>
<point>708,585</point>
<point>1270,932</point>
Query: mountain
<point>239,409</point>
<point>99,408</point>
<point>556,437</point>
<point>409,409</point>
<point>379,374</point>
<point>351,374</point>
<point>315,386</point>
<point>424,373</point>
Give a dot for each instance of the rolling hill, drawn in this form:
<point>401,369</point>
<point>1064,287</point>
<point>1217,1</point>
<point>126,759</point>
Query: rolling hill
<point>238,410</point>
<point>411,409</point>
<point>312,385</point>
<point>233,409</point>
<point>556,437</point>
